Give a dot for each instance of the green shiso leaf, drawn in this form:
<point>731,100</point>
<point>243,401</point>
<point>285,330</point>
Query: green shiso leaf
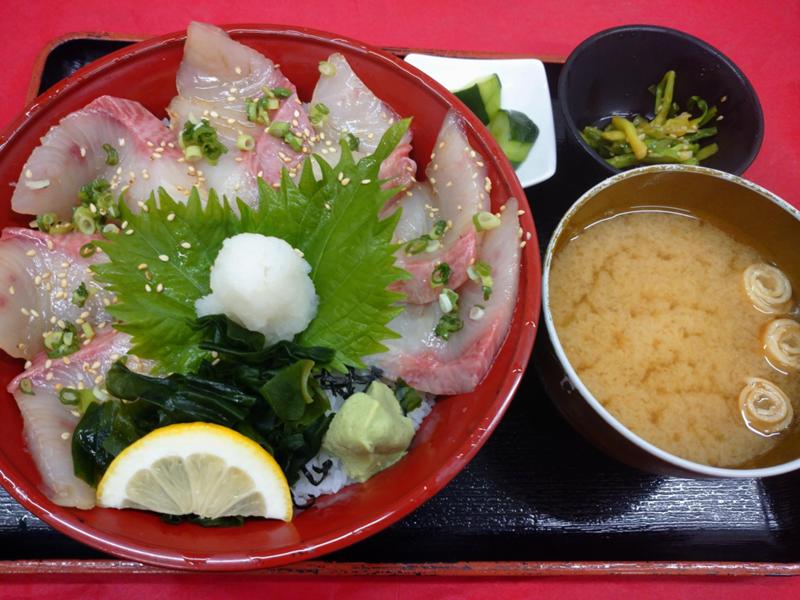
<point>334,221</point>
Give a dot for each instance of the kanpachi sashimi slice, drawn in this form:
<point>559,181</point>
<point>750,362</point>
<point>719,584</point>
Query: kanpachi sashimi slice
<point>457,365</point>
<point>71,155</point>
<point>48,424</point>
<point>457,189</point>
<point>354,109</point>
<point>272,154</point>
<point>38,275</point>
<point>216,77</point>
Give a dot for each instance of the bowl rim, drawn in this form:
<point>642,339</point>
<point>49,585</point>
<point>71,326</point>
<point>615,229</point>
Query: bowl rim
<point>587,396</point>
<point>573,130</point>
<point>67,521</point>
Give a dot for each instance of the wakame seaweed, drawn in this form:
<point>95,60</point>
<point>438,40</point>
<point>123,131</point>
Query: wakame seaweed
<point>276,400</point>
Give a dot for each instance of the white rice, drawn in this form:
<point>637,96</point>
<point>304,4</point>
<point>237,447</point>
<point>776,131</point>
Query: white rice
<point>304,490</point>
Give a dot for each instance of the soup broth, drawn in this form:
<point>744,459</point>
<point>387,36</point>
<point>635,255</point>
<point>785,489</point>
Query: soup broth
<point>652,313</point>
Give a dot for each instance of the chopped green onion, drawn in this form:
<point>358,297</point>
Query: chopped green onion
<point>417,245</point>
<point>84,220</point>
<point>706,151</point>
<point>441,275</point>
<point>80,295</point>
<point>273,103</point>
<point>481,272</point>
<point>87,330</point>
<point>352,141</point>
<point>449,323</point>
<point>46,221</point>
<point>87,250</point>
<point>433,246</point>
<point>408,397</point>
<point>281,92</point>
<point>193,152</point>
<point>327,69</point>
<point>245,142</point>
<point>203,137</point>
<point>294,142</point>
<point>439,229</point>
<point>448,300</point>
<point>112,158</point>
<point>110,228</point>
<point>278,129</point>
<point>476,312</point>
<point>80,399</point>
<point>485,221</point>
<point>61,228</point>
<point>26,386</point>
<point>62,342</point>
<point>252,109</point>
<point>318,114</point>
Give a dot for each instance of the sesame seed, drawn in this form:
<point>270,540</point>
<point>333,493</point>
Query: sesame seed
<point>129,232</point>
<point>147,287</point>
<point>49,244</point>
<point>49,376</point>
<point>11,290</point>
<point>230,121</point>
<point>28,173</point>
<point>142,266</point>
<point>30,253</point>
<point>214,114</point>
<point>121,141</point>
<point>345,181</point>
<point>238,70</point>
<point>441,144</point>
<point>160,288</point>
<point>35,313</point>
<point>65,435</point>
<point>231,99</point>
<point>433,181</point>
<point>186,245</point>
<point>83,152</point>
<point>48,363</point>
<point>448,184</point>
<point>106,302</point>
<point>522,244</point>
<point>66,360</point>
<point>163,258</point>
<point>74,413</point>
<point>171,217</point>
<point>28,364</point>
<point>366,181</point>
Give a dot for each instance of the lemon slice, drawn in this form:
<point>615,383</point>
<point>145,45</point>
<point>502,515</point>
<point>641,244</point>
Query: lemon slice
<point>197,468</point>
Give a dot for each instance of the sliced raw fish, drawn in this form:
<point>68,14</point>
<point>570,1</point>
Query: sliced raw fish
<point>216,76</point>
<point>48,424</point>
<point>356,110</point>
<point>38,274</point>
<point>273,154</point>
<point>71,155</point>
<point>457,189</point>
<point>457,365</point>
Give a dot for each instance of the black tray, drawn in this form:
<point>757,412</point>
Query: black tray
<point>537,491</point>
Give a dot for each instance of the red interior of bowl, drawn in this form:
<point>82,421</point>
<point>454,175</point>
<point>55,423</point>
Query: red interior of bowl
<point>450,436</point>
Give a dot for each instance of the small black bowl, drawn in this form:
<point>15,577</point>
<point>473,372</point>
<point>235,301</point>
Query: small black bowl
<point>609,74</point>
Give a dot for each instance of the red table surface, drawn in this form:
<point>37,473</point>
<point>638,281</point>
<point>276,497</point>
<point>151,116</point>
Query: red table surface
<point>763,38</point>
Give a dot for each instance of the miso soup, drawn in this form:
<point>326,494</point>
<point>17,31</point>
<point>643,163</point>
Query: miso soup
<point>652,310</point>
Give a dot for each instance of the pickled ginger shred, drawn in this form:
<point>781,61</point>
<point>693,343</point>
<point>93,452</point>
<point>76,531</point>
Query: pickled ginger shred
<point>263,284</point>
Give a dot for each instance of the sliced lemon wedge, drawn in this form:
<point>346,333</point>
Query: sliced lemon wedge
<point>197,468</point>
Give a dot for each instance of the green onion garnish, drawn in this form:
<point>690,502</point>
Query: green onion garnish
<point>327,69</point>
<point>80,295</point>
<point>484,221</point>
<point>203,137</point>
<point>481,272</point>
<point>62,341</point>
<point>87,250</point>
<point>318,114</point>
<point>278,129</point>
<point>417,245</point>
<point>245,142</point>
<point>112,158</point>
<point>448,300</point>
<point>80,399</point>
<point>84,220</point>
<point>294,142</point>
<point>281,92</point>
<point>449,323</point>
<point>441,275</point>
<point>26,386</point>
<point>352,141</point>
<point>46,221</point>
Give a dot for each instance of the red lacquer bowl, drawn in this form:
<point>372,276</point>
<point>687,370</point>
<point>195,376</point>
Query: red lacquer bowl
<point>449,437</point>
